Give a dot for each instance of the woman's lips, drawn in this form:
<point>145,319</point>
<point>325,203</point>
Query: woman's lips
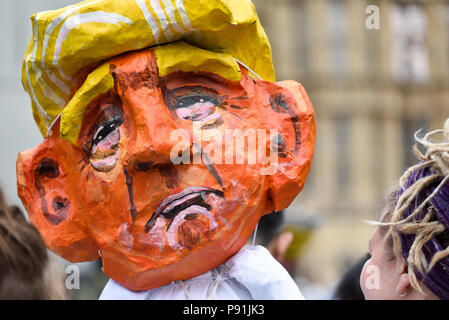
<point>175,203</point>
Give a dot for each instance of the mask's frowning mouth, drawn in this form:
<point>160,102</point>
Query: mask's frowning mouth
<point>179,202</point>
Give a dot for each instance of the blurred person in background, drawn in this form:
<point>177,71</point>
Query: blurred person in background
<point>26,269</point>
<point>348,288</point>
<point>410,246</point>
<point>270,234</point>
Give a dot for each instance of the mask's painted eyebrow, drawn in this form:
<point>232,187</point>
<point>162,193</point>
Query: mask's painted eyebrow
<point>192,88</point>
<point>239,98</point>
<point>110,112</point>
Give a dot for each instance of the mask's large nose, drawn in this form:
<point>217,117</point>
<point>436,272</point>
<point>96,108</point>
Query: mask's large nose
<point>153,133</point>
<point>151,129</point>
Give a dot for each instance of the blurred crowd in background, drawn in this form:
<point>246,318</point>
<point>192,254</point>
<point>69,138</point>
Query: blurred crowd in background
<point>371,90</point>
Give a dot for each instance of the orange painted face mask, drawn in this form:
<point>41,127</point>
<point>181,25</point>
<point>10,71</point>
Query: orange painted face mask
<point>169,174</point>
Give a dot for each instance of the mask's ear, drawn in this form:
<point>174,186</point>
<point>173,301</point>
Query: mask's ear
<point>294,118</point>
<point>48,182</point>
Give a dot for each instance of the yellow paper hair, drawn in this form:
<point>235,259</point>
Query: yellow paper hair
<point>71,41</point>
<point>99,81</point>
<point>182,56</point>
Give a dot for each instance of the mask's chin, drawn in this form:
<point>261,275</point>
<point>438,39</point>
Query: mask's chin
<point>202,240</point>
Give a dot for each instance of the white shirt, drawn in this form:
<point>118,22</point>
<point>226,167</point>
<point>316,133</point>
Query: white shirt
<point>251,274</point>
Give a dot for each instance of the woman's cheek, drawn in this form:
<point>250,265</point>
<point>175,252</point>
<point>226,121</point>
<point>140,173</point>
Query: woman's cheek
<point>370,280</point>
<point>363,279</point>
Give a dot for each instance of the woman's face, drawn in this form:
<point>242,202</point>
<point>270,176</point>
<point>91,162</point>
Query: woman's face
<point>385,276</point>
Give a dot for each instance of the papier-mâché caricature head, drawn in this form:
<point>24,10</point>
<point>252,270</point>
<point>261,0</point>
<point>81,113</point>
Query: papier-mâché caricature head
<point>106,179</point>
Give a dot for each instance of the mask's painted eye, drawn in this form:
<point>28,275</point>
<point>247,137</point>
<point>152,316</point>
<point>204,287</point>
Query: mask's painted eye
<point>105,130</point>
<point>198,109</point>
<point>105,149</point>
<point>197,104</point>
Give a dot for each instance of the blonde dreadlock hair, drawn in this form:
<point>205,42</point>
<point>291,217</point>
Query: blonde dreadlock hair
<point>419,223</point>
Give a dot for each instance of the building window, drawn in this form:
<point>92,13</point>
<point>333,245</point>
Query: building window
<point>338,33</point>
<point>300,38</point>
<point>409,128</point>
<point>409,55</point>
<point>373,51</point>
<point>447,24</point>
<point>378,148</point>
<point>343,163</point>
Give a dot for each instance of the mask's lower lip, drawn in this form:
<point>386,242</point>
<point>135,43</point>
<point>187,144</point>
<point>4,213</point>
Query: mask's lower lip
<point>192,212</point>
<point>178,202</point>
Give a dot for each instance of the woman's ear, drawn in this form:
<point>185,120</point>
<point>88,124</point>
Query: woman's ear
<point>293,118</point>
<point>404,286</point>
<point>48,182</point>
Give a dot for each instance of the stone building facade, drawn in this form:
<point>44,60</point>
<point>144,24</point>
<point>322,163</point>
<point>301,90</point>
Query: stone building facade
<point>371,89</point>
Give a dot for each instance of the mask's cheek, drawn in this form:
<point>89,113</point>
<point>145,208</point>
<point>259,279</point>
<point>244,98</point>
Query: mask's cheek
<point>108,201</point>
